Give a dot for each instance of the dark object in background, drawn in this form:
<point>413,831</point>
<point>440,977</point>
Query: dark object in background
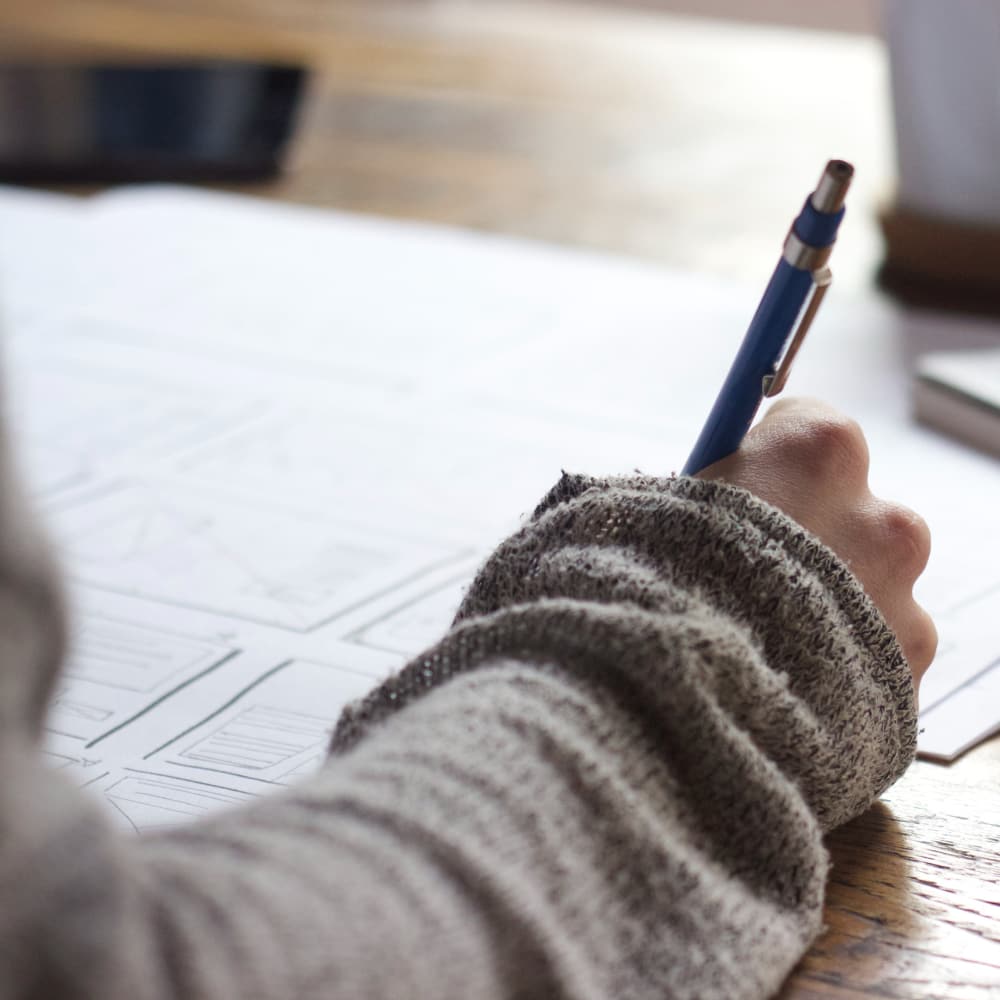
<point>940,263</point>
<point>183,121</point>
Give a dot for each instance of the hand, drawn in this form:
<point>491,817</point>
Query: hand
<point>811,462</point>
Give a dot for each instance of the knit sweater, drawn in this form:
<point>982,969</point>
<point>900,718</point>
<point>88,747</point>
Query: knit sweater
<point>611,778</point>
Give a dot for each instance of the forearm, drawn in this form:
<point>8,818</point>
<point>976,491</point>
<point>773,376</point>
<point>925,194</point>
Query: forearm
<point>730,604</point>
<point>763,696</point>
<point>610,779</point>
<point>514,832</point>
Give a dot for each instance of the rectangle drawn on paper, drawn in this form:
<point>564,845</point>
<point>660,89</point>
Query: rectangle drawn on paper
<point>290,569</point>
<point>259,737</point>
<point>275,730</point>
<point>116,671</point>
<point>149,801</point>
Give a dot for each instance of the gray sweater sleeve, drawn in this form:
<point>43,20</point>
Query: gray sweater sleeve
<point>609,779</point>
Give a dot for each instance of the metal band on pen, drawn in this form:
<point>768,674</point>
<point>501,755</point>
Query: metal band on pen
<point>828,198</point>
<point>805,258</point>
<point>802,255</point>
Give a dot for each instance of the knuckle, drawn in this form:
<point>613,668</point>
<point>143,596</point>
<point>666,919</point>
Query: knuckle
<point>832,446</point>
<point>921,642</point>
<point>907,538</point>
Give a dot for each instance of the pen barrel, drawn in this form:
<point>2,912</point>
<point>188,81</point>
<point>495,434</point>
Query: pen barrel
<point>740,396</point>
<point>815,228</point>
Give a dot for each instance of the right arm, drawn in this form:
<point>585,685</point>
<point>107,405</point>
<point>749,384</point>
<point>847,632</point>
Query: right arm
<point>610,778</point>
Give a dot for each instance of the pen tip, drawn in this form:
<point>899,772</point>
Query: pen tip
<point>832,188</point>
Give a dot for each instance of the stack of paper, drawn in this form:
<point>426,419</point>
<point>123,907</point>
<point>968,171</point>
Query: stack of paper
<point>273,444</point>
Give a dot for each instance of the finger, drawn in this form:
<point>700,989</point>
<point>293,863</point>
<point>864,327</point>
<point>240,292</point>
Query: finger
<point>906,539</point>
<point>789,407</point>
<point>918,638</point>
<point>821,446</point>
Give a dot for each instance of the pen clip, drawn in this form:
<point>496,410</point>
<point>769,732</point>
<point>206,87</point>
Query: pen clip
<point>775,382</point>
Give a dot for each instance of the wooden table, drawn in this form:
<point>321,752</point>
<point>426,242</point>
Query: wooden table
<point>685,142</point>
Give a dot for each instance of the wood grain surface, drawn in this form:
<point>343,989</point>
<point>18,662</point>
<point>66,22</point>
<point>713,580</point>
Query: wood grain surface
<point>679,140</point>
<point>913,908</point>
<point>683,141</point>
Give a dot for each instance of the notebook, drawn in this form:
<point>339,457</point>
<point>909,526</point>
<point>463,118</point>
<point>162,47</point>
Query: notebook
<point>273,443</point>
<point>958,392</point>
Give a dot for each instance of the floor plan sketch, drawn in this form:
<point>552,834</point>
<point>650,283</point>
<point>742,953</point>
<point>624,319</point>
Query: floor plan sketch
<point>258,739</point>
<point>76,763</point>
<point>320,453</point>
<point>269,481</point>
<point>276,728</point>
<point>102,417</point>
<point>439,461</point>
<point>323,453</point>
<point>416,625</point>
<point>266,564</point>
<point>145,801</point>
<point>117,671</point>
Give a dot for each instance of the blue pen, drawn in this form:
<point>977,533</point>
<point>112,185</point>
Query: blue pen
<point>796,288</point>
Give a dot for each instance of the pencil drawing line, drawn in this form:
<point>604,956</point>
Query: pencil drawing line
<point>267,675</point>
<point>259,738</point>
<point>167,694</point>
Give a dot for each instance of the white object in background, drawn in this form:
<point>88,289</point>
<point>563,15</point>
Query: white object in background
<point>945,65</point>
<point>959,393</point>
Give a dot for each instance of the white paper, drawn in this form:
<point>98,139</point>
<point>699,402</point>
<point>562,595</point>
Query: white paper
<point>273,444</point>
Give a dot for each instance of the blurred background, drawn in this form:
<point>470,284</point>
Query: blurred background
<point>681,132</point>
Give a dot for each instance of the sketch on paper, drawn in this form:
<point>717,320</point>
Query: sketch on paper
<point>117,671</point>
<point>259,563</point>
<point>145,802</point>
<point>274,730</point>
<point>103,417</point>
<point>417,624</point>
